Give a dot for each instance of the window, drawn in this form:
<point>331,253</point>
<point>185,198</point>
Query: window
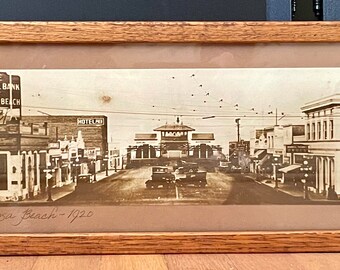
<point>35,172</point>
<point>319,130</point>
<point>3,172</point>
<point>23,179</point>
<point>331,129</point>
<point>308,131</point>
<point>313,131</point>
<point>325,130</point>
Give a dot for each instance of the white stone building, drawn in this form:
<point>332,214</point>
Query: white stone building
<point>323,138</point>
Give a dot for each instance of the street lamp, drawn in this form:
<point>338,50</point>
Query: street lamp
<point>276,162</point>
<point>77,164</point>
<point>306,169</point>
<point>93,162</point>
<point>106,159</point>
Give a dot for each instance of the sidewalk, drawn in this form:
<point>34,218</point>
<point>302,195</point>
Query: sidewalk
<point>59,192</point>
<point>288,188</point>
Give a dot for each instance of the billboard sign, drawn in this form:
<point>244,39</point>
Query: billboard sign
<point>10,98</point>
<point>297,148</point>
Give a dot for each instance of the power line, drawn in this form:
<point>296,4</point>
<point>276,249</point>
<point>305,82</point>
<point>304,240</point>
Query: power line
<point>159,113</point>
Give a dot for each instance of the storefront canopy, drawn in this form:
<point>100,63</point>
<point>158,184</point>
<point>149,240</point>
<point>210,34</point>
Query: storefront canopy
<point>258,153</point>
<point>290,168</point>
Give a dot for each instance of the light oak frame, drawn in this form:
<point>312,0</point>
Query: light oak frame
<point>169,32</point>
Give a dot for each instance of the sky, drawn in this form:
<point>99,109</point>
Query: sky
<point>139,100</point>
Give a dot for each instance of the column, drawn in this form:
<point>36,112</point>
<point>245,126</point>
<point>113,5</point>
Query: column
<point>336,175</point>
<point>326,171</point>
<point>317,174</point>
<point>322,175</point>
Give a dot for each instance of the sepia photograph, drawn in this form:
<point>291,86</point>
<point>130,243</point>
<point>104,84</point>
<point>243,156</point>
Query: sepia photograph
<point>180,136</point>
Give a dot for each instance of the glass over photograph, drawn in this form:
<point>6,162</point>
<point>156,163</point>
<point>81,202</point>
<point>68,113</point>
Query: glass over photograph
<point>217,136</point>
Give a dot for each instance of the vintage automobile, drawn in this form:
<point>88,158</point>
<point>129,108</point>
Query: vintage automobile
<point>228,167</point>
<point>195,179</point>
<point>161,177</point>
<point>184,167</point>
<point>84,183</point>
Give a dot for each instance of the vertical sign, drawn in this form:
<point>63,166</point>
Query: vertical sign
<point>10,98</point>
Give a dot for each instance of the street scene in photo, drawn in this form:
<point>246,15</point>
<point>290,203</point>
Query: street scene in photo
<point>246,136</point>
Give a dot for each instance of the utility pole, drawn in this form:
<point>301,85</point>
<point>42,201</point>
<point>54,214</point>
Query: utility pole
<point>237,120</point>
<point>276,117</point>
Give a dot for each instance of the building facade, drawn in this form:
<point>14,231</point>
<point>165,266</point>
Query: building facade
<point>268,150</point>
<point>94,129</point>
<point>173,141</point>
<point>323,139</point>
<point>23,157</point>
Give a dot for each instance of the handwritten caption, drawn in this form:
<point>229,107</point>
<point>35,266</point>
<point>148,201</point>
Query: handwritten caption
<point>29,214</point>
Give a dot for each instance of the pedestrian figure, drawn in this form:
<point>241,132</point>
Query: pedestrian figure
<point>332,195</point>
<point>50,183</point>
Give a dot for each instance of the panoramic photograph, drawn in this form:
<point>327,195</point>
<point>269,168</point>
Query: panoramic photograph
<point>217,136</point>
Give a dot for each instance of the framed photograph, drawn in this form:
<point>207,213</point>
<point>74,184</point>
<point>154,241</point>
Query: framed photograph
<point>169,137</point>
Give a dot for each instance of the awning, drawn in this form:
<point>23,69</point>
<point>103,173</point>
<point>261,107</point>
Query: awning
<point>258,153</point>
<point>290,168</point>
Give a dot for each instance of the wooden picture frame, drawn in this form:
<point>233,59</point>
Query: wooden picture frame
<point>169,32</point>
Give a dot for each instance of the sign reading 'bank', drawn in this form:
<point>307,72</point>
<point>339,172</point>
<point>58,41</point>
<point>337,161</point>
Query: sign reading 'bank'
<point>10,91</point>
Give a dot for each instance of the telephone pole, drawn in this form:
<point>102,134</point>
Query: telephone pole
<point>237,120</point>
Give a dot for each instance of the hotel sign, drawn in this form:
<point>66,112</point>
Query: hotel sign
<point>90,121</point>
<point>297,148</point>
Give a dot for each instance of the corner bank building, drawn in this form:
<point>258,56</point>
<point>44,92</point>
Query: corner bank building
<point>22,145</point>
<point>323,138</point>
<point>30,145</point>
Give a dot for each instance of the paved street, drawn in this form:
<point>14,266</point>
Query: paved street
<point>128,188</point>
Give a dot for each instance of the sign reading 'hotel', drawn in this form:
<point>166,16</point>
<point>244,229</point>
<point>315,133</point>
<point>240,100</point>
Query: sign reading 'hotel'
<point>90,121</point>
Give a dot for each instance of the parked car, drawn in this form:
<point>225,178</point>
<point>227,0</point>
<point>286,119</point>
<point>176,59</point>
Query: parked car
<point>184,167</point>
<point>195,179</point>
<point>228,167</point>
<point>161,177</point>
<point>84,182</point>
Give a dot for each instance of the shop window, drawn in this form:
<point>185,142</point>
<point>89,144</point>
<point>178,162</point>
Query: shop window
<point>3,172</point>
<point>308,131</point>
<point>331,129</point>
<point>23,179</point>
<point>35,172</point>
